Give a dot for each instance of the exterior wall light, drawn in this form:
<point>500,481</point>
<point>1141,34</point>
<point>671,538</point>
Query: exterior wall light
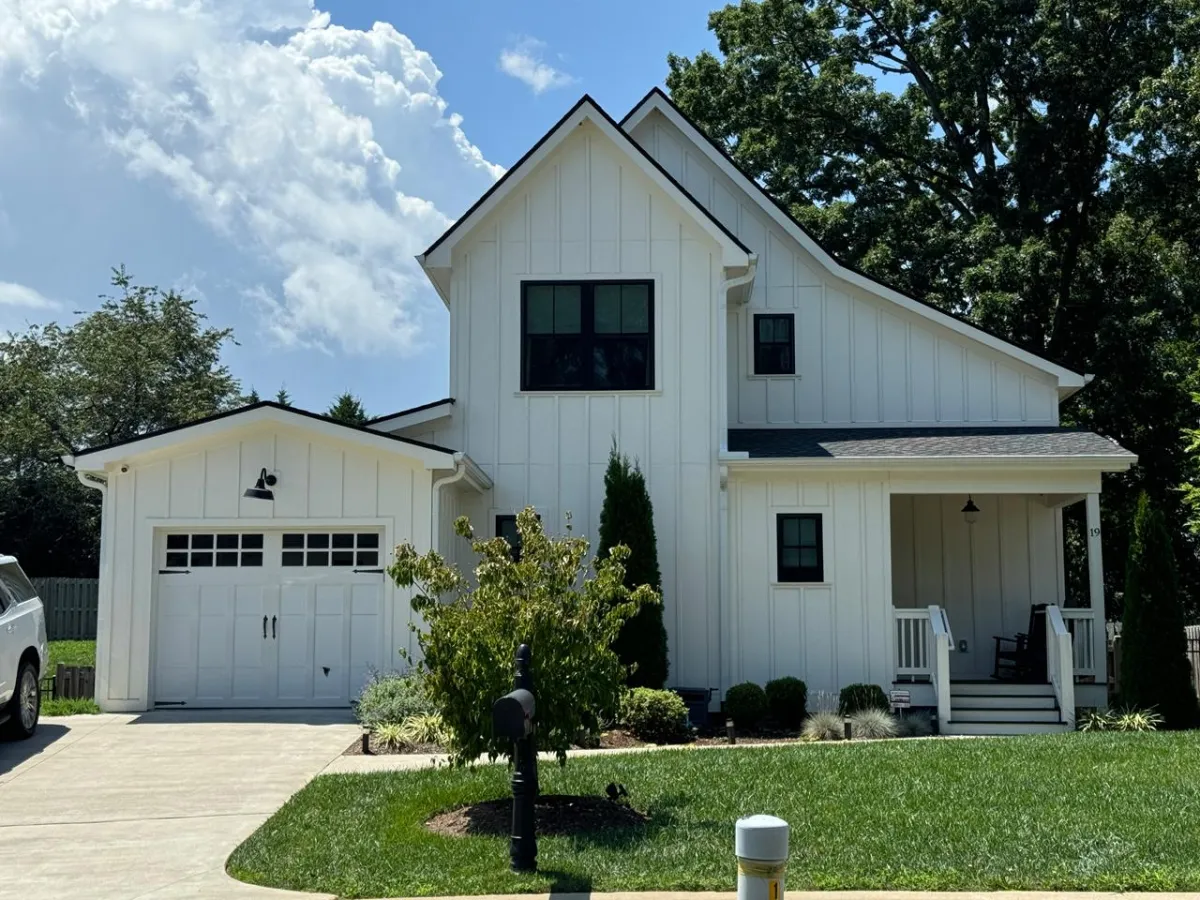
<point>970,511</point>
<point>262,487</point>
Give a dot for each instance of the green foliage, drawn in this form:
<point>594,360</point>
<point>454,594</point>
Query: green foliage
<point>1095,720</point>
<point>824,726</point>
<point>659,717</point>
<point>426,728</point>
<point>1030,166</point>
<point>348,409</point>
<point>389,735</point>
<point>857,697</point>
<point>72,653</point>
<point>392,698</point>
<point>786,700</point>
<point>1136,720</point>
<point>282,397</point>
<point>627,517</point>
<point>144,360</point>
<point>871,724</point>
<point>548,600</point>
<point>1155,673</point>
<point>61,707</point>
<point>746,704</point>
<point>914,724</point>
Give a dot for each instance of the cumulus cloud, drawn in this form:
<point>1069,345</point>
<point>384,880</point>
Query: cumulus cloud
<point>12,294</point>
<point>324,151</point>
<point>524,62</point>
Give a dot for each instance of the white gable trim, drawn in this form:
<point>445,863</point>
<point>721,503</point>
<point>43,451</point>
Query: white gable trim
<point>1068,381</point>
<point>431,412</point>
<point>734,254</point>
<point>207,429</point>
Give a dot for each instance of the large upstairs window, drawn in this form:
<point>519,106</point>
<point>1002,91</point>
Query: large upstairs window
<point>587,336</point>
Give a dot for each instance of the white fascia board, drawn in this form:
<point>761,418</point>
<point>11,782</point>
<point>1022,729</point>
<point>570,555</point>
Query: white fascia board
<point>98,460</point>
<point>420,417</point>
<point>1066,378</point>
<point>932,463</point>
<point>732,255</point>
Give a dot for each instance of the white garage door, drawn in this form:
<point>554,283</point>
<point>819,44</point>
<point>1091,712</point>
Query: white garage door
<point>267,618</point>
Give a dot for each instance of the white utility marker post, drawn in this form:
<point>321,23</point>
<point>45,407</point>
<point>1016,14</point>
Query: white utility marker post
<point>761,845</point>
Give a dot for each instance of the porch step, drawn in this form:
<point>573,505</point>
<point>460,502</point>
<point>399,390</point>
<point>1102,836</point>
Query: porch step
<point>1004,728</point>
<point>1001,701</point>
<point>1024,716</point>
<point>999,689</point>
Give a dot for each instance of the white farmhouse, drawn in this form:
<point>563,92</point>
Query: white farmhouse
<point>849,485</point>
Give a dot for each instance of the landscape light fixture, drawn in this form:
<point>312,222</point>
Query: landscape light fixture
<point>970,511</point>
<point>262,487</point>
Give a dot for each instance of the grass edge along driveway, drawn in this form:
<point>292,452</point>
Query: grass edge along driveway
<point>1056,812</point>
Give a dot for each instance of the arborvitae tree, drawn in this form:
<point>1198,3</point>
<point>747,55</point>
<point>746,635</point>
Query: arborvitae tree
<point>349,409</point>
<point>1154,667</point>
<point>628,518</point>
<point>283,398</point>
<point>251,398</point>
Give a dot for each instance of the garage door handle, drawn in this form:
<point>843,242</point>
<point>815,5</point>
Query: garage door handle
<point>264,628</point>
<point>368,571</point>
<point>272,628</point>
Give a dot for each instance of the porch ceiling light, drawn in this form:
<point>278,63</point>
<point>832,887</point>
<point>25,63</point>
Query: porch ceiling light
<point>970,511</point>
<point>262,487</point>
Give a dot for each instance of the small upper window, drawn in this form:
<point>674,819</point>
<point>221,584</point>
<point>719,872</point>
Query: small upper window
<point>775,344</point>
<point>798,548</point>
<point>587,336</point>
<point>506,527</point>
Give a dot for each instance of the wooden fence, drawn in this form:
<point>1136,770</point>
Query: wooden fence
<point>1192,637</point>
<point>71,605</point>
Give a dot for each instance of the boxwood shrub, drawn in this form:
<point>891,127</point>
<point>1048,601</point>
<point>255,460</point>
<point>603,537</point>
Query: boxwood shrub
<point>787,699</point>
<point>857,697</point>
<point>746,704</point>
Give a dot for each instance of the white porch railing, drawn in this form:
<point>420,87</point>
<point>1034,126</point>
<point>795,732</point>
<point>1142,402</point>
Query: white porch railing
<point>1082,625</point>
<point>1060,663</point>
<point>943,643</point>
<point>914,638</point>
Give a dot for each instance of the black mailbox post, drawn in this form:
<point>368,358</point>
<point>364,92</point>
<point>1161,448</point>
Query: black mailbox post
<point>513,718</point>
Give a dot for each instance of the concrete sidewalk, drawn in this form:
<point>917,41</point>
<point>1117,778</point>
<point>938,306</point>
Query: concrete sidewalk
<point>118,807</point>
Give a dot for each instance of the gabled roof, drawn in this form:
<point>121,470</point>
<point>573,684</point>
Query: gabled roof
<point>414,415</point>
<point>95,458</point>
<point>656,99</point>
<point>736,254</point>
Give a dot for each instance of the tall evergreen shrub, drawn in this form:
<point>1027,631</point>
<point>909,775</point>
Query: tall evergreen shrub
<point>628,518</point>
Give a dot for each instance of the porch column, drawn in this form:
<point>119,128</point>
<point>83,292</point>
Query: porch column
<point>1096,588</point>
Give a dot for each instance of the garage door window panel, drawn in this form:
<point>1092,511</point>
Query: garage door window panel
<point>233,550</point>
<point>337,549</point>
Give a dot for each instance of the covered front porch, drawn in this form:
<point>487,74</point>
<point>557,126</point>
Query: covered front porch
<point>981,614</point>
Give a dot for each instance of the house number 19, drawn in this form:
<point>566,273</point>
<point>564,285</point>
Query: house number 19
<point>1094,532</point>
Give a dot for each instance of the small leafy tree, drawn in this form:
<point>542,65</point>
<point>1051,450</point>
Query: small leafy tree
<point>1154,667</point>
<point>548,600</point>
<point>349,409</point>
<point>627,517</point>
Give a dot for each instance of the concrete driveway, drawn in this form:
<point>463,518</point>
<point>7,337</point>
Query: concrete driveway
<point>150,806</point>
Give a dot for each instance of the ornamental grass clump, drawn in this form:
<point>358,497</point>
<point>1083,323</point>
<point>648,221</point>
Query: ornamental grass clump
<point>823,726</point>
<point>872,724</point>
<point>567,611</point>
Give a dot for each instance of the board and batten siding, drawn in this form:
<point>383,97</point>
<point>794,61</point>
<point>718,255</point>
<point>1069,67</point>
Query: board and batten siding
<point>859,359</point>
<point>986,575</point>
<point>321,483</point>
<point>830,634</point>
<point>589,211</point>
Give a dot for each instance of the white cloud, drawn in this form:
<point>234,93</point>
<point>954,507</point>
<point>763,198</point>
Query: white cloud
<point>325,152</point>
<point>524,62</point>
<point>12,294</point>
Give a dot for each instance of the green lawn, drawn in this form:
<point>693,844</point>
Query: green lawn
<point>70,653</point>
<point>1074,811</point>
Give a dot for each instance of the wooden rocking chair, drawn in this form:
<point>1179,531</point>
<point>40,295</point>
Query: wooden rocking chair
<point>1023,658</point>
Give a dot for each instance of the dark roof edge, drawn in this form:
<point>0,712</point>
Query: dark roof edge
<point>414,409</point>
<point>262,404</point>
<point>857,271</point>
<point>586,98</point>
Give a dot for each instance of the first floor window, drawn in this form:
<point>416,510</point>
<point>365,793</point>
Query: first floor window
<point>506,527</point>
<point>798,548</point>
<point>775,344</point>
<point>587,336</point>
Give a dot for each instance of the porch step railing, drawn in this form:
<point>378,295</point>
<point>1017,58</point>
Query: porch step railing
<point>1060,663</point>
<point>914,640</point>
<point>943,643</point>
<point>1081,623</point>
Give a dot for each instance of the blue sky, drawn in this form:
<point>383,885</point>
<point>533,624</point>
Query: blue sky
<point>283,162</point>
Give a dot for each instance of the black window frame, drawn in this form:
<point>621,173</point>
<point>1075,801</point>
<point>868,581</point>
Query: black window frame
<point>589,338</point>
<point>799,574</point>
<point>762,348</point>
<point>506,518</point>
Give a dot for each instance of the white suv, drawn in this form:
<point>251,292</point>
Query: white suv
<point>22,651</point>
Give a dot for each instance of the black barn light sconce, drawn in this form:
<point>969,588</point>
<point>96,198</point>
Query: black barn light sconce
<point>262,487</point>
<point>970,511</point>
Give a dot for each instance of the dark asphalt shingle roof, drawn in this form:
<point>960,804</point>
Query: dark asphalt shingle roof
<point>970,441</point>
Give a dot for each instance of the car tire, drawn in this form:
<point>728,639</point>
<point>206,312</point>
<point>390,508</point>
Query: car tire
<point>26,704</point>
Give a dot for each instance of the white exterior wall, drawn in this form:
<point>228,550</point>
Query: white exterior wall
<point>986,575</point>
<point>830,634</point>
<point>589,211</point>
<point>321,482</point>
<point>859,359</point>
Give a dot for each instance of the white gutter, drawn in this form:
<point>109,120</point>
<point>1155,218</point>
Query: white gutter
<point>728,285</point>
<point>464,468</point>
<point>742,460</point>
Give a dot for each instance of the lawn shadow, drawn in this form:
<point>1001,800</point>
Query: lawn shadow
<point>567,885</point>
<point>13,752</point>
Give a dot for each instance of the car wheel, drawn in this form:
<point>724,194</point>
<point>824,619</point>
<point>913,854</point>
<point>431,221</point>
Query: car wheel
<point>25,705</point>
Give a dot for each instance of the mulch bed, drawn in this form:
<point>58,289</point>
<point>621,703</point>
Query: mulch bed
<point>355,749</point>
<point>554,814</point>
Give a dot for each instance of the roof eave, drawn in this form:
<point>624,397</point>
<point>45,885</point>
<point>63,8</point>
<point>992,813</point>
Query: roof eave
<point>1103,463</point>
